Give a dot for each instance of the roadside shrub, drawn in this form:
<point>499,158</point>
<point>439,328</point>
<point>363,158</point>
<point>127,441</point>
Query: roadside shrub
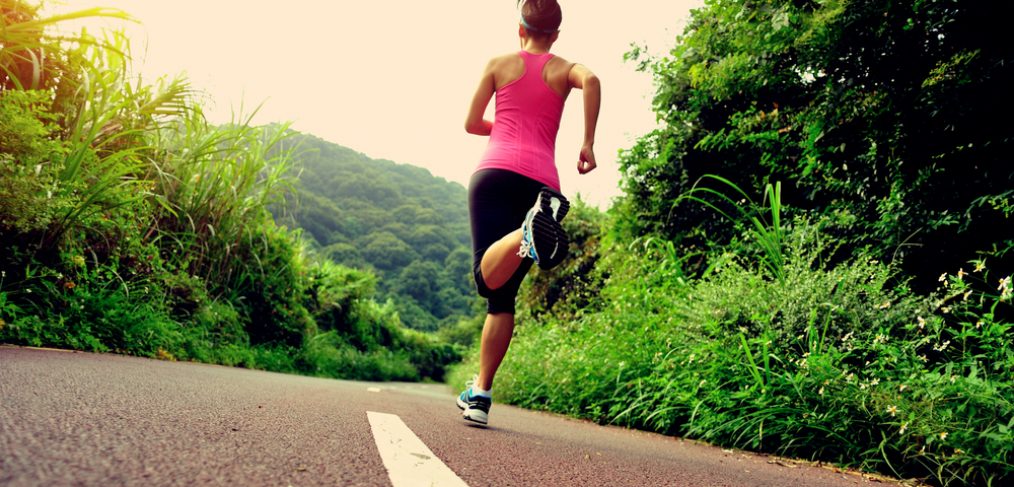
<point>840,364</point>
<point>327,354</point>
<point>29,164</point>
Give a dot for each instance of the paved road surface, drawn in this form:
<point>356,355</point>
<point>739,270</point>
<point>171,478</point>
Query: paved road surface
<point>70,418</point>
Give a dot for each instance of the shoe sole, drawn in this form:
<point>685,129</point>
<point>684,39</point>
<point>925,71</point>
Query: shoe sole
<point>473,415</point>
<point>547,196</point>
<point>550,240</point>
<point>547,232</point>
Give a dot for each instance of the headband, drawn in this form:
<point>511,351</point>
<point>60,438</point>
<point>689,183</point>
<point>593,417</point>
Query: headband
<point>535,29</point>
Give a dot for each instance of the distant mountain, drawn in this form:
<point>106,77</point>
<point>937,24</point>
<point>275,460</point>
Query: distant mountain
<point>408,226</point>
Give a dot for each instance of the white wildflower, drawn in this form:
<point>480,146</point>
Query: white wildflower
<point>892,410</point>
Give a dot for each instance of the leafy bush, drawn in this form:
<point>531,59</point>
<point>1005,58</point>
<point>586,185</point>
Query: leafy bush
<point>28,177</point>
<point>879,113</point>
<point>841,364</point>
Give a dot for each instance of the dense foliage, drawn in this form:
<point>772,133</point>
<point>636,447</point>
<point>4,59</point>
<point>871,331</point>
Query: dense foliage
<point>843,364</point>
<point>398,221</point>
<point>889,118</point>
<point>130,224</point>
<point>812,257</point>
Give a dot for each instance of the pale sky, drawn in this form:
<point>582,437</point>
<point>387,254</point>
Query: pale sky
<point>393,79</point>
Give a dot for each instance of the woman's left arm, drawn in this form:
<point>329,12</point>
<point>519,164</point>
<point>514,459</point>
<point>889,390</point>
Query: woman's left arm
<point>474,123</point>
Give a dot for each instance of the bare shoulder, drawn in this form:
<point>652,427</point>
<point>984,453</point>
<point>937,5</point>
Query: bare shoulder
<point>579,74</point>
<point>558,70</point>
<point>505,68</point>
<point>561,60</point>
<point>560,64</point>
<point>504,60</point>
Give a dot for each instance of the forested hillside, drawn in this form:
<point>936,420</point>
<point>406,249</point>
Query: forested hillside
<point>395,220</point>
<point>813,254</point>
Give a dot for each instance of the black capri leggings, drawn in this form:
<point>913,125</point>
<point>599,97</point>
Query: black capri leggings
<point>498,201</point>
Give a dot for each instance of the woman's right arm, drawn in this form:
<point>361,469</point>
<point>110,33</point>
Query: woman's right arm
<point>474,123</point>
<point>583,79</point>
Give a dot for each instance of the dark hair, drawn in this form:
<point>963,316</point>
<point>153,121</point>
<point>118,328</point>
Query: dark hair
<point>542,17</point>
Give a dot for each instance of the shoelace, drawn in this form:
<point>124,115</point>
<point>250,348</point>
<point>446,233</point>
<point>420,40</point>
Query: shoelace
<point>468,385</point>
<point>526,241</point>
<point>525,248</point>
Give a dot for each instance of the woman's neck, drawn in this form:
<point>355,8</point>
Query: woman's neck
<point>535,47</point>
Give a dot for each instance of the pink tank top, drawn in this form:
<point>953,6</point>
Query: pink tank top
<point>523,139</point>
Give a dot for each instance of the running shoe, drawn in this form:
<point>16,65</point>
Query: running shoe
<point>542,237</point>
<point>474,408</point>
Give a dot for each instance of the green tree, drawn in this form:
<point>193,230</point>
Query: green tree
<point>884,117</point>
<point>386,251</point>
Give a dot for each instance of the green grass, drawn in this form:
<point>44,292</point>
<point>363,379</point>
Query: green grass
<point>838,363</point>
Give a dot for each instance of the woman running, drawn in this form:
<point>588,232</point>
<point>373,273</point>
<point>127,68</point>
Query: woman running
<point>514,199</point>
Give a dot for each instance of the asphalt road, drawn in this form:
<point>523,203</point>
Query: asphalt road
<point>71,418</point>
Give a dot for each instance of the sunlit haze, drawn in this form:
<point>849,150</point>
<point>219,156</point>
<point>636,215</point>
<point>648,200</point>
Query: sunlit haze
<point>393,79</point>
